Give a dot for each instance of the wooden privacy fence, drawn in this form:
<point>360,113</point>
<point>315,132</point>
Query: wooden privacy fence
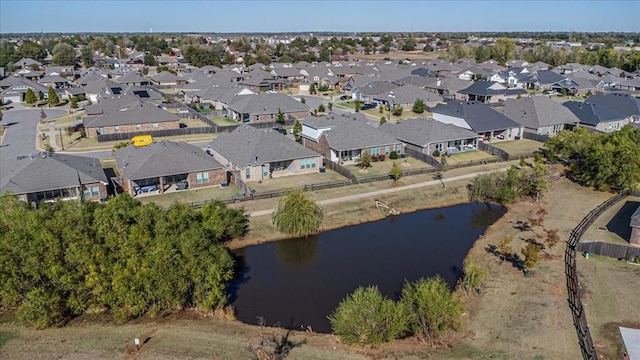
<point>573,286</point>
<point>616,251</point>
<point>423,157</point>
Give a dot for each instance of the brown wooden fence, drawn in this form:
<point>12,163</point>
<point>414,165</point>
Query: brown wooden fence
<point>573,286</point>
<point>616,251</point>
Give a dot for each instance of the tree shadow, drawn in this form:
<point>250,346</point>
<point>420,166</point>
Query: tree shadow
<point>510,257</point>
<point>619,223</point>
<point>522,225</point>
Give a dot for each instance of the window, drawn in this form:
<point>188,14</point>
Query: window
<point>116,128</point>
<point>138,127</point>
<point>313,163</point>
<point>101,130</point>
<point>247,173</point>
<point>374,151</point>
<point>439,147</point>
<point>303,162</point>
<point>93,191</point>
<point>202,178</point>
<point>387,150</point>
<point>154,125</point>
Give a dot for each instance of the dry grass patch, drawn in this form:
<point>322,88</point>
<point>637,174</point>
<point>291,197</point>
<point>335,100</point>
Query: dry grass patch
<point>613,225</point>
<point>518,146</point>
<point>191,195</point>
<point>468,156</point>
<point>193,123</point>
<point>383,167</point>
<point>295,181</point>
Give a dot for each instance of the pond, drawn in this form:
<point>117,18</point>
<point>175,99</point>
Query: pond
<point>297,283</point>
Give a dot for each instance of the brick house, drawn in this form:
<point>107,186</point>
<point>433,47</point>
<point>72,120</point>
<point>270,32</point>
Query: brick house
<point>259,154</point>
<point>47,177</point>
<point>160,165</point>
<point>138,117</point>
<point>264,107</point>
<point>539,115</point>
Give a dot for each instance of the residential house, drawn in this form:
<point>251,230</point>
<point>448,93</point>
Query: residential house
<point>485,121</point>
<point>597,117</point>
<point>473,73</point>
<point>166,78</point>
<point>136,118</point>
<point>54,81</point>
<point>491,92</point>
<point>47,177</point>
<point>15,88</point>
<point>27,63</point>
<point>428,136</point>
<point>368,91</point>
<point>539,115</point>
<point>259,154</point>
<point>406,96</point>
<point>264,107</point>
<point>132,78</point>
<point>625,104</point>
<point>448,87</point>
<point>510,77</point>
<point>102,88</point>
<point>342,137</point>
<point>541,80</point>
<point>160,165</point>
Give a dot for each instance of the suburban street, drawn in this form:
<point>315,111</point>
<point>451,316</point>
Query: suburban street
<point>21,129</point>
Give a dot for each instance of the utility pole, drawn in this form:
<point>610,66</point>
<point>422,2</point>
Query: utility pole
<point>61,139</point>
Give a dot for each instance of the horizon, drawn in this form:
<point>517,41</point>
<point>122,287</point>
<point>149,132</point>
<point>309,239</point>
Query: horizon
<point>243,17</point>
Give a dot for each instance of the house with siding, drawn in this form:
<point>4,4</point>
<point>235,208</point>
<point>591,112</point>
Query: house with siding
<point>342,137</point>
<point>597,117</point>
<point>491,92</point>
<point>625,104</point>
<point>485,121</point>
<point>539,115</point>
<point>47,177</point>
<point>160,165</point>
<point>15,88</point>
<point>263,107</point>
<point>135,118</point>
<point>259,154</point>
<point>428,136</point>
<point>368,91</point>
<point>406,96</point>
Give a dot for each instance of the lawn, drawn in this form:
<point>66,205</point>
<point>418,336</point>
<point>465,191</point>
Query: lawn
<point>215,192</point>
<point>383,167</point>
<point>295,181</point>
<point>224,121</point>
<point>406,114</point>
<point>71,118</point>
<point>84,144</point>
<point>518,146</point>
<point>289,91</point>
<point>613,225</point>
<point>193,123</point>
<point>468,156</point>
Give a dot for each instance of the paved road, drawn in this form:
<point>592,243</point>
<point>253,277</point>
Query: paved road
<point>385,191</point>
<point>21,132</point>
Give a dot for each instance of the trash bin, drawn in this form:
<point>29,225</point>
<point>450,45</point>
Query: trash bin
<point>586,255</point>
<point>527,272</point>
<point>322,169</point>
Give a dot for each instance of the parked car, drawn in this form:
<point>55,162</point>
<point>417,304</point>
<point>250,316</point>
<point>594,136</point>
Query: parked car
<point>344,97</point>
<point>367,106</point>
<point>281,130</point>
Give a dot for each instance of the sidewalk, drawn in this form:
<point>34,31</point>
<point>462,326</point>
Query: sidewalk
<point>386,191</point>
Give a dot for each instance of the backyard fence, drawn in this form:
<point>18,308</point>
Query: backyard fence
<point>616,251</point>
<point>573,286</point>
<point>493,150</point>
<point>536,137</point>
<point>423,157</point>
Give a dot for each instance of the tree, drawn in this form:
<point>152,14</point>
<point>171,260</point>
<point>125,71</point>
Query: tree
<point>86,56</point>
<point>397,110</point>
<point>419,106</point>
<point>29,49</point>
<point>297,214</point>
<point>303,100</point>
<point>330,106</point>
<point>63,54</point>
<point>395,172</point>
<point>297,129</point>
<point>30,97</point>
<point>364,161</point>
<point>149,60</point>
<point>312,88</point>
<point>504,247</point>
<point>383,119</point>
<point>441,174</point>
<point>366,317</point>
<point>52,97</point>
<point>73,102</point>
<point>434,310</point>
<point>280,117</point>
<point>321,108</point>
<point>531,254</point>
<point>357,105</point>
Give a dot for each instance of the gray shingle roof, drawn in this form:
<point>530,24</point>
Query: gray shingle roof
<point>244,144</point>
<point>265,103</point>
<point>162,159</point>
<point>537,111</point>
<point>424,131</point>
<point>407,94</point>
<point>592,114</point>
<point>635,218</point>
<point>111,104</point>
<point>484,88</point>
<point>49,172</point>
<point>345,131</point>
<point>623,103</point>
<point>479,117</point>
<point>141,113</point>
<point>165,77</point>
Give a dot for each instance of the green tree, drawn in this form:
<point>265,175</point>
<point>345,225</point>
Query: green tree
<point>366,317</point>
<point>312,88</point>
<point>531,253</point>
<point>52,97</point>
<point>442,170</point>
<point>321,108</point>
<point>63,54</point>
<point>357,105</point>
<point>397,110</point>
<point>297,129</point>
<point>395,172</point>
<point>434,310</point>
<point>419,106</point>
<point>383,119</point>
<point>86,56</point>
<point>303,100</point>
<point>73,102</point>
<point>30,97</point>
<point>149,60</point>
<point>30,49</point>
<point>364,161</point>
<point>280,117</point>
<point>297,214</point>
<point>330,106</point>
<point>473,276</point>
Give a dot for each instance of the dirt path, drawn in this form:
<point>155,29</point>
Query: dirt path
<point>528,317</point>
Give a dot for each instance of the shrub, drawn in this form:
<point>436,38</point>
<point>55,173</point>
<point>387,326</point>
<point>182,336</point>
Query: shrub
<point>375,158</point>
<point>436,153</point>
<point>381,157</point>
<point>367,317</point>
<point>394,155</point>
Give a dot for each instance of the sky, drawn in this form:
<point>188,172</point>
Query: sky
<point>223,16</point>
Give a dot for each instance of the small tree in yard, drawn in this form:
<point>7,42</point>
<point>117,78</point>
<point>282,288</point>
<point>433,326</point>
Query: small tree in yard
<point>472,276</point>
<point>419,106</point>
<point>504,247</point>
<point>52,97</point>
<point>73,102</point>
<point>312,89</point>
<point>383,119</point>
<point>321,108</point>
<point>297,214</point>
<point>357,105</point>
<point>395,172</point>
<point>364,161</point>
<point>531,254</point>
<point>303,100</point>
<point>280,117</point>
<point>434,310</point>
<point>366,317</point>
<point>444,166</point>
<point>397,110</point>
<point>297,129</point>
<point>330,106</point>
<point>30,97</point>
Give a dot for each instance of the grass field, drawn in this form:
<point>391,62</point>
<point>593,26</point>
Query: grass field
<point>518,146</point>
<point>613,225</point>
<point>468,156</point>
<point>290,182</point>
<point>224,121</point>
<point>191,195</point>
<point>383,167</point>
<point>192,123</point>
